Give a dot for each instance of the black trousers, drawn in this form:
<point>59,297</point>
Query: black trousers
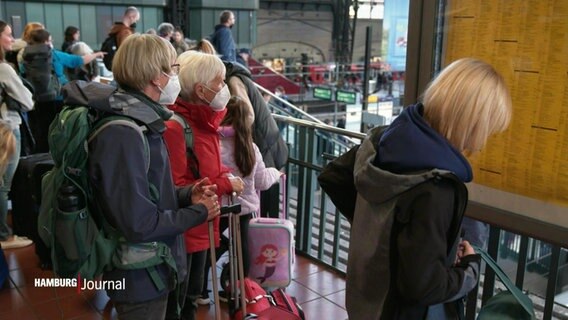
<point>270,202</point>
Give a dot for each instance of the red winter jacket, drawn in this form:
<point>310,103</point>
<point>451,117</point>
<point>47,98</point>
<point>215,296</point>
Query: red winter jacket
<point>204,123</point>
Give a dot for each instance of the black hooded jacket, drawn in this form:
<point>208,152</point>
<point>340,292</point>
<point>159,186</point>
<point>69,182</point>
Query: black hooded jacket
<point>410,203</point>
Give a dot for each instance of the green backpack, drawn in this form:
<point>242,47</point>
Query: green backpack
<point>82,242</point>
<point>511,304</point>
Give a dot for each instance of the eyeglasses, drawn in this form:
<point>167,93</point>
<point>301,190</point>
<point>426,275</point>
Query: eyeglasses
<point>175,68</point>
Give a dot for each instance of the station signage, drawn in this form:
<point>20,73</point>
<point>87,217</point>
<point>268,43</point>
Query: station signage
<point>322,93</point>
<point>349,97</point>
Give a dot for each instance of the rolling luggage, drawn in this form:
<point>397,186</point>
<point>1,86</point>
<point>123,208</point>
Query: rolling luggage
<point>269,306</point>
<point>235,266</point>
<point>26,199</point>
<point>271,248</point>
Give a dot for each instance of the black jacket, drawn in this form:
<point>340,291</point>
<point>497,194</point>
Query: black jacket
<point>403,243</point>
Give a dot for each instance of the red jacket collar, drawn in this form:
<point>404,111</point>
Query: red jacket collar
<point>200,115</point>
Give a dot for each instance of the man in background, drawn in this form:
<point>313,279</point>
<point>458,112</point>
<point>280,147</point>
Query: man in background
<point>127,26</point>
<point>166,30</point>
<point>222,38</point>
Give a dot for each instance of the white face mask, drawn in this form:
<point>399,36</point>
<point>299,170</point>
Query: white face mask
<point>170,91</point>
<point>221,98</point>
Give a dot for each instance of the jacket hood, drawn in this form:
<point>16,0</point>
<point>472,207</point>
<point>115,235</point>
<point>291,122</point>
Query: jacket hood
<point>106,98</point>
<point>235,69</point>
<point>409,144</point>
<point>220,26</point>
<point>377,185</point>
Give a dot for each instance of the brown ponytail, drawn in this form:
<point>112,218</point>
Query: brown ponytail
<point>237,117</point>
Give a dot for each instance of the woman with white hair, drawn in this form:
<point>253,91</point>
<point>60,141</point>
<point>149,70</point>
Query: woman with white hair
<point>86,72</point>
<point>201,103</point>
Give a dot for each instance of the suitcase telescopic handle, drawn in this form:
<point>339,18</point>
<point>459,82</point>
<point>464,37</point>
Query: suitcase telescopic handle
<point>233,206</point>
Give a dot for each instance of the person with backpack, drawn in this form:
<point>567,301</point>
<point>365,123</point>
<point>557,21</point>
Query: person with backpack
<point>21,43</point>
<point>130,177</point>
<point>201,104</point>
<point>118,33</point>
<point>44,67</point>
<point>11,87</point>
<point>407,259</point>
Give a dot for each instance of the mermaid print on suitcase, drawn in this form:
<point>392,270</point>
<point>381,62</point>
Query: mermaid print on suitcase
<point>271,251</point>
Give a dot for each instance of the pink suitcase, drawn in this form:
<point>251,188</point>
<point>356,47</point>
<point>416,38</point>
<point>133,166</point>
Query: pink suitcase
<point>271,247</point>
<point>271,250</point>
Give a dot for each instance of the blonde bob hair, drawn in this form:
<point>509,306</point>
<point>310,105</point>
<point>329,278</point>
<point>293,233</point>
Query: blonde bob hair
<point>7,147</point>
<point>466,103</point>
<point>140,59</point>
<point>198,67</point>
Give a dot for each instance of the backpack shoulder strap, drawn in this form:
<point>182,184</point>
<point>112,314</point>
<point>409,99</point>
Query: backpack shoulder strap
<point>123,121</point>
<point>188,134</point>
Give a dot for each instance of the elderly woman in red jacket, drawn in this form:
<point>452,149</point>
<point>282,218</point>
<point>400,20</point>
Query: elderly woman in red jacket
<point>201,103</point>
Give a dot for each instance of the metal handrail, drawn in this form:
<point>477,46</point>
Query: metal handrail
<point>531,226</point>
<point>344,132</point>
<point>321,126</point>
<point>288,104</point>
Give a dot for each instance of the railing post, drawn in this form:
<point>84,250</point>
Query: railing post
<point>306,185</point>
<point>300,228</point>
<point>336,238</point>
<point>551,285</point>
<point>522,261</point>
<point>489,279</point>
<point>323,216</point>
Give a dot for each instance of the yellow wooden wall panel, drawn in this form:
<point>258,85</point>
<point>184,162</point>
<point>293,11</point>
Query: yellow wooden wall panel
<point>527,42</point>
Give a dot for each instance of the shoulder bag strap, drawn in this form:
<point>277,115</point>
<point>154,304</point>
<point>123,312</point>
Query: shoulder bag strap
<point>517,293</point>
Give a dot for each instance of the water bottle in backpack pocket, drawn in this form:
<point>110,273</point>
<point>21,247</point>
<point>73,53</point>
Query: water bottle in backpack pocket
<point>75,230</point>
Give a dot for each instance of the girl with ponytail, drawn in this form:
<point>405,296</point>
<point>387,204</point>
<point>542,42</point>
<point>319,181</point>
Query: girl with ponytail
<point>242,156</point>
